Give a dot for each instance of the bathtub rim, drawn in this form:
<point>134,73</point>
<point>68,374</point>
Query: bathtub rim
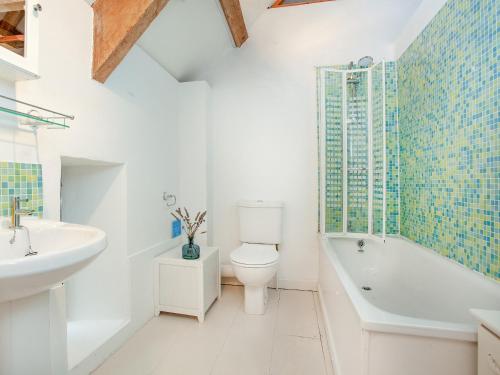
<point>375,319</point>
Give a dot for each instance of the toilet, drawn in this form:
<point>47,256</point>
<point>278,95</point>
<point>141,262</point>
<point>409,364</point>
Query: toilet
<point>255,262</point>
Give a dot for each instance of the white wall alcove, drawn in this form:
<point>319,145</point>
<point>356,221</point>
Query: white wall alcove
<point>97,298</point>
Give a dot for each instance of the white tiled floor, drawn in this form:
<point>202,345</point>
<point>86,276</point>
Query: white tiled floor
<point>287,340</point>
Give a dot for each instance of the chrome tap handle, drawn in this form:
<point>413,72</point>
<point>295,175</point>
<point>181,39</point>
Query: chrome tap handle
<point>17,200</point>
<point>25,212</point>
<point>16,212</point>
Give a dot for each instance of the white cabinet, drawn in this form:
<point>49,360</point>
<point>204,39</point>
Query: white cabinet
<point>19,39</point>
<point>488,341</point>
<point>488,352</point>
<point>187,286</point>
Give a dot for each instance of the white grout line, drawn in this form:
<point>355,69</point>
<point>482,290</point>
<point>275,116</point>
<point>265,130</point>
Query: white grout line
<point>227,335</point>
<point>275,328</point>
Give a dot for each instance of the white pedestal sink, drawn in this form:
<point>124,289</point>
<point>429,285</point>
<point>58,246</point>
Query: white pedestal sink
<point>32,303</point>
<point>63,249</point>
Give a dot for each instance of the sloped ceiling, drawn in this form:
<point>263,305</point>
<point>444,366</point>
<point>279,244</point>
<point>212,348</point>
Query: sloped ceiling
<point>190,35</point>
<point>252,9</point>
<point>185,35</point>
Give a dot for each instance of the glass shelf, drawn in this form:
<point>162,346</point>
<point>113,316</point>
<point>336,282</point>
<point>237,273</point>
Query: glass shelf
<point>32,116</point>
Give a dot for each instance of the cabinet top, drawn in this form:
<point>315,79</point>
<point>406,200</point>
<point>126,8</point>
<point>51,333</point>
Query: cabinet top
<point>488,318</point>
<point>175,255</point>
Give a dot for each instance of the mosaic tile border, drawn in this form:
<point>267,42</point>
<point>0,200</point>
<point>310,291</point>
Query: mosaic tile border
<point>21,180</point>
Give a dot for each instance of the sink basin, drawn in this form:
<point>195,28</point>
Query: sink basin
<point>63,249</point>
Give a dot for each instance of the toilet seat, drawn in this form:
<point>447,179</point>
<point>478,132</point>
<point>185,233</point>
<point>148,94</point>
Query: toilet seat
<point>255,255</point>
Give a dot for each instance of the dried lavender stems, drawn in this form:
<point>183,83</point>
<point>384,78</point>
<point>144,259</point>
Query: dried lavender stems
<point>190,226</point>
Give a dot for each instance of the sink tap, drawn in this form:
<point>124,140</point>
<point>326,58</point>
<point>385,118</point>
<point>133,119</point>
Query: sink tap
<point>15,224</point>
<point>16,212</point>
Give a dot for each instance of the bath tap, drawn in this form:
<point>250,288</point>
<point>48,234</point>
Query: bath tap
<point>361,244</point>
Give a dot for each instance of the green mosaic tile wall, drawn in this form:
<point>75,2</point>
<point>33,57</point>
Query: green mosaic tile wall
<point>21,180</point>
<point>378,149</point>
<point>449,93</point>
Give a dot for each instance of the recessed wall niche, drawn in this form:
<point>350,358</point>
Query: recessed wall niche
<point>97,298</point>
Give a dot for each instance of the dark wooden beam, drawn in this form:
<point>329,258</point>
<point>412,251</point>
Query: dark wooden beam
<point>11,5</point>
<point>235,20</point>
<point>11,38</point>
<point>118,24</point>
<point>281,3</point>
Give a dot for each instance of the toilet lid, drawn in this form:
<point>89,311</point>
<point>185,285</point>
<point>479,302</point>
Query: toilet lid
<point>255,254</point>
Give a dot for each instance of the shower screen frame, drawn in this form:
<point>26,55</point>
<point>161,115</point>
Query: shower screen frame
<point>323,144</point>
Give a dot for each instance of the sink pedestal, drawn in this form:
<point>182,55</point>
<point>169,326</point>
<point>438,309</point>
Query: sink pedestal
<point>33,335</point>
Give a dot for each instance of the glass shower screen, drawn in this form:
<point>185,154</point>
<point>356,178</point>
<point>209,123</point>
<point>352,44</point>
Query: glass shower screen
<point>352,143</point>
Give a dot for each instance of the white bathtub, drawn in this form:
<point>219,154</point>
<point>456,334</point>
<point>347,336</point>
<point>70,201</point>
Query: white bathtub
<point>415,320</point>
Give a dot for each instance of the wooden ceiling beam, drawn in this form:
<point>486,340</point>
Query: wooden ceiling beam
<point>11,38</point>
<point>235,21</point>
<point>281,3</point>
<point>11,5</point>
<point>118,24</point>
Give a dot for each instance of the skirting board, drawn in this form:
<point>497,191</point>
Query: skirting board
<point>329,336</point>
<point>298,284</point>
<point>228,278</point>
<point>101,353</point>
<point>226,270</point>
<point>230,281</point>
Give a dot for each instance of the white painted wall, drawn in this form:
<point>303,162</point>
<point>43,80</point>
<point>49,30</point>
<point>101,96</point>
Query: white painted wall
<point>193,149</point>
<point>15,145</point>
<point>264,116</point>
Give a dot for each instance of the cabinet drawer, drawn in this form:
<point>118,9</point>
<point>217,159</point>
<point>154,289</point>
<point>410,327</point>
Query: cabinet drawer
<point>488,352</point>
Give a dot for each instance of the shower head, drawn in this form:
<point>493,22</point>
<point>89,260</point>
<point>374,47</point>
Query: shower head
<point>365,62</point>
